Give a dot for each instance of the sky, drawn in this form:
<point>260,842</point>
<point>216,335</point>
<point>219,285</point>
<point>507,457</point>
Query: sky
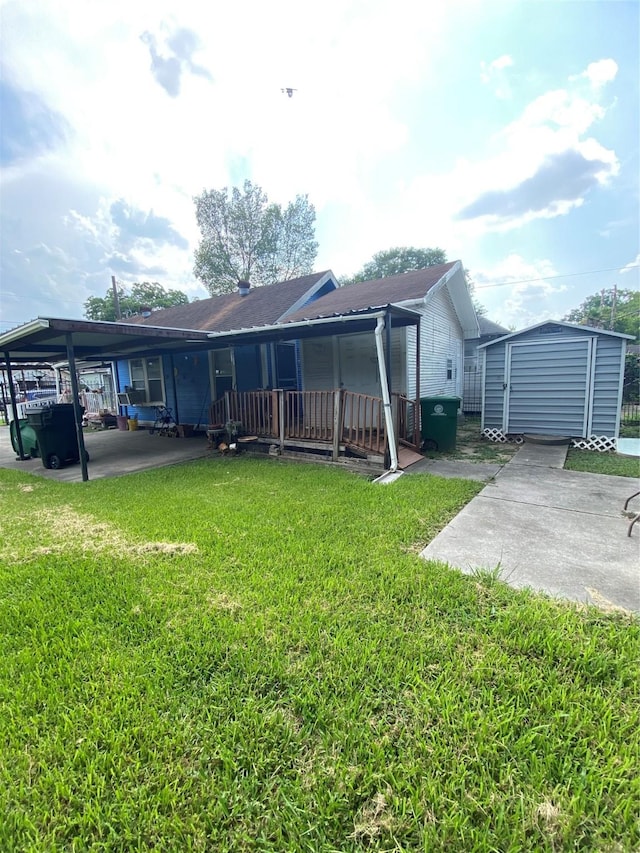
<point>505,132</point>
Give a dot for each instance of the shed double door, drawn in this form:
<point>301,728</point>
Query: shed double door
<point>548,387</point>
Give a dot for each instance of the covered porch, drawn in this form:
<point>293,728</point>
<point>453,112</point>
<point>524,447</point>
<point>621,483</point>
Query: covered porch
<point>337,425</point>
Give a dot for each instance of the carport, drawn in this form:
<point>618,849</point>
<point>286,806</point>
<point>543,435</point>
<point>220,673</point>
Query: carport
<point>54,340</point>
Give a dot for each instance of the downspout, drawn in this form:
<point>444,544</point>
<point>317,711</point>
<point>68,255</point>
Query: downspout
<point>386,399</point>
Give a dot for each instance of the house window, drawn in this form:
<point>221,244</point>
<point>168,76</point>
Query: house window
<point>449,368</point>
<point>146,376</point>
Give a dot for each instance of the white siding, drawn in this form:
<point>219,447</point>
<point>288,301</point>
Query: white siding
<point>441,339</point>
<point>317,365</point>
<point>351,362</point>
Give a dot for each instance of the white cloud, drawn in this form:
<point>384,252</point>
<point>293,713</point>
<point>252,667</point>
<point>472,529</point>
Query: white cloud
<point>632,266</point>
<point>599,73</point>
<point>513,293</point>
<point>492,72</point>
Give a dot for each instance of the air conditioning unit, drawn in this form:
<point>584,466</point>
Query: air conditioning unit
<point>132,398</point>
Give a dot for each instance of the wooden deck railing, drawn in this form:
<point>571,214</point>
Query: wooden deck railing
<point>309,415</point>
<point>363,422</point>
<point>407,420</point>
<point>255,410</point>
<point>335,418</point>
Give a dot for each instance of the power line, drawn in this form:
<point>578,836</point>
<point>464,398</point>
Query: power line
<point>549,277</point>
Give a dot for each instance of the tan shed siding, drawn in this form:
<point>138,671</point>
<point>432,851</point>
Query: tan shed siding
<point>441,339</point>
<point>494,387</point>
<point>606,386</point>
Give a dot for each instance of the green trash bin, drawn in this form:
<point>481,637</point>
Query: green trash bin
<point>439,419</point>
<point>55,429</point>
<point>28,435</point>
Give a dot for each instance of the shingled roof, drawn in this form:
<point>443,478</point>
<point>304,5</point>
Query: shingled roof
<point>373,294</point>
<point>262,306</point>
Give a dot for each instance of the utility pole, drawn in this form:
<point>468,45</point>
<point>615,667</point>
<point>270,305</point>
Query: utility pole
<point>116,300</point>
<point>614,306</point>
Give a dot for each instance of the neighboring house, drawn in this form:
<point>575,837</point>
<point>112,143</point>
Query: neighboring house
<point>438,295</point>
<point>472,385</point>
<point>554,378</point>
<point>187,384</point>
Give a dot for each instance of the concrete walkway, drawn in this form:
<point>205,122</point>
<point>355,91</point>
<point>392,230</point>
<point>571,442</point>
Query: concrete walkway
<point>560,532</point>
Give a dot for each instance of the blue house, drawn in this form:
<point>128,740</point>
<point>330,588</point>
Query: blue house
<point>188,383</point>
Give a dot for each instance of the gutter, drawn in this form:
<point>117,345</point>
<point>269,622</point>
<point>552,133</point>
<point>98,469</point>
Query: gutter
<point>388,416</point>
<point>300,324</point>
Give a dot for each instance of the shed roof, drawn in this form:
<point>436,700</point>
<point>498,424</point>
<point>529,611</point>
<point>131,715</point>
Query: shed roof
<point>556,323</point>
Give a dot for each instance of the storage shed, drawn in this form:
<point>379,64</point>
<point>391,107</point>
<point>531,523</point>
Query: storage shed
<point>554,378</point>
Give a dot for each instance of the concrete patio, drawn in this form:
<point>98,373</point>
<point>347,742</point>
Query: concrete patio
<point>112,453</point>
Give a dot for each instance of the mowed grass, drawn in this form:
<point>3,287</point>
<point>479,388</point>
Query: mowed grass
<point>602,463</point>
<point>241,655</point>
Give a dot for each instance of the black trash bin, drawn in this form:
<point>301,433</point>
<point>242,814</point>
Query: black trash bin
<point>439,418</point>
<point>55,429</point>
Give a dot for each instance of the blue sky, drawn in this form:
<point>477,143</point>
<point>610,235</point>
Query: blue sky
<point>506,133</point>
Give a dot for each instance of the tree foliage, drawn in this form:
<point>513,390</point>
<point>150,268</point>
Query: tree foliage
<point>143,294</point>
<point>615,310</point>
<point>244,237</point>
<point>398,260</point>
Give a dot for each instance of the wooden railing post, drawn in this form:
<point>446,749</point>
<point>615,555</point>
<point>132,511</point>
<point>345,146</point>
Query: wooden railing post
<point>337,423</point>
<point>281,410</point>
<point>276,412</point>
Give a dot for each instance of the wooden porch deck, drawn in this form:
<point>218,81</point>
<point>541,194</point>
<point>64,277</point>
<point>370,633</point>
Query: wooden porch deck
<point>335,426</point>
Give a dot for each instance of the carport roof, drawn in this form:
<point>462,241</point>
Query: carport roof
<point>45,339</point>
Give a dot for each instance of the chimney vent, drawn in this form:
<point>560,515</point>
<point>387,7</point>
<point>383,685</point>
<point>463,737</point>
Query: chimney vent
<point>243,288</point>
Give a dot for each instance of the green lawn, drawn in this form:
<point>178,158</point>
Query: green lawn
<point>602,463</point>
<point>242,655</point>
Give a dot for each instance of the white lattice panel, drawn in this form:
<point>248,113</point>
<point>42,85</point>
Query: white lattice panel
<point>601,443</point>
<point>494,435</point>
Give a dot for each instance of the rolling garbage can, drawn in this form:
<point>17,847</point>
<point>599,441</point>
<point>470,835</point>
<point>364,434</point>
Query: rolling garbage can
<point>55,429</point>
<point>29,438</point>
<point>439,419</point>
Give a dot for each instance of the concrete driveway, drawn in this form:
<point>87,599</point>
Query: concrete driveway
<point>112,453</point>
<point>560,532</point>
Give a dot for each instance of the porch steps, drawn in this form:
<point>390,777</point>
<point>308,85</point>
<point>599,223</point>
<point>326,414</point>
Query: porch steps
<point>407,457</point>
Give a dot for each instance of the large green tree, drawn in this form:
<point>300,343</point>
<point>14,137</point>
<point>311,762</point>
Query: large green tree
<point>396,261</point>
<point>613,309</point>
<point>143,294</point>
<point>245,237</point>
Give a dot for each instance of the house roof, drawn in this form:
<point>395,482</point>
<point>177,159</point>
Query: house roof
<point>378,293</point>
<point>262,306</point>
<point>488,327</point>
<point>556,323</point>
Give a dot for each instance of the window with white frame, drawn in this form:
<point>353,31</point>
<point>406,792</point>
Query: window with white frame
<point>146,376</point>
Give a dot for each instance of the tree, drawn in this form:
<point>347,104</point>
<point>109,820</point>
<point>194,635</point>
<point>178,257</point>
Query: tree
<point>244,237</point>
<point>143,294</point>
<point>613,309</point>
<point>396,261</point>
